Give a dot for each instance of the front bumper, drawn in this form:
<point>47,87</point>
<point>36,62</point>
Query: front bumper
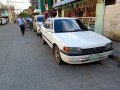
<point>81,59</point>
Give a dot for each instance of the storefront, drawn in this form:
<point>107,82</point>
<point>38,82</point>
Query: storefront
<point>83,9</point>
<point>90,12</point>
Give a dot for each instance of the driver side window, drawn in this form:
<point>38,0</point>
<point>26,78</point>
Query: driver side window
<point>48,24</point>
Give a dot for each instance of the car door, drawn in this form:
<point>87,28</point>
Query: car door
<point>34,23</point>
<point>48,32</point>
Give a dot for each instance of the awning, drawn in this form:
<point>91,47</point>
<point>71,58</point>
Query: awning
<point>58,4</point>
<point>64,2</point>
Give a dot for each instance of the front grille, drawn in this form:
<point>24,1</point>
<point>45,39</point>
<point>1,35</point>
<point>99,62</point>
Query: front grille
<point>94,50</point>
<point>88,51</point>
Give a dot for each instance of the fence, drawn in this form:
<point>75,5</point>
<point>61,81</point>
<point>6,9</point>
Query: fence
<point>88,22</point>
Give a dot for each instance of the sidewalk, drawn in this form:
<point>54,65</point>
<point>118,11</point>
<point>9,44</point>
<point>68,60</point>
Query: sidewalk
<point>116,52</point>
<point>116,46</point>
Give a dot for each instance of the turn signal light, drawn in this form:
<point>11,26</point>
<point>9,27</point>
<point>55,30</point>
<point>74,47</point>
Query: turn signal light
<point>72,49</point>
<point>66,49</point>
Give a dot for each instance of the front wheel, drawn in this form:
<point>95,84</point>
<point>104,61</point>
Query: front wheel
<point>57,55</point>
<point>37,34</point>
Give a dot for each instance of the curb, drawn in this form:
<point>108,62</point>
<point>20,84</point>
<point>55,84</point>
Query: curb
<point>114,57</point>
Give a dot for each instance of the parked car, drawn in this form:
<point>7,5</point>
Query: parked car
<point>29,23</point>
<point>73,43</point>
<point>37,23</point>
<point>3,21</point>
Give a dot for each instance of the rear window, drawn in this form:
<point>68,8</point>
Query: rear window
<point>40,19</point>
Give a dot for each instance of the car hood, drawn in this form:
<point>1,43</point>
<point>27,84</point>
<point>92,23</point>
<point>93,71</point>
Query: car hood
<point>84,39</point>
<point>40,23</point>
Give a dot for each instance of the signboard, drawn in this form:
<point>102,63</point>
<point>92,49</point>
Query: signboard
<point>46,6</point>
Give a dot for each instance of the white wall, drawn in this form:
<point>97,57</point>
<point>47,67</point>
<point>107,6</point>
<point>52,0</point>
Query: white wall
<point>112,21</point>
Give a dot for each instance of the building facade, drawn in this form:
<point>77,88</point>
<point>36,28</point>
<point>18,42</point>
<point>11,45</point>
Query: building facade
<point>112,21</point>
<point>3,11</point>
<point>91,12</point>
<point>35,4</point>
<point>11,11</point>
<point>46,5</point>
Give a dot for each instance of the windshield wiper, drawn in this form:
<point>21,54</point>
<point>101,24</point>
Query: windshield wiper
<point>77,30</point>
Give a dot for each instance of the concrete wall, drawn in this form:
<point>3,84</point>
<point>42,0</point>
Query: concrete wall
<point>112,21</point>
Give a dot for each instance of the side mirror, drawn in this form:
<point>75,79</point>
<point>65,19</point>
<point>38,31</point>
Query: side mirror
<point>89,28</point>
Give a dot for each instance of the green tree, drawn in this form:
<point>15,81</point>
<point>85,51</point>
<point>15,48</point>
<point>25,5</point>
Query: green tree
<point>42,6</point>
<point>24,14</point>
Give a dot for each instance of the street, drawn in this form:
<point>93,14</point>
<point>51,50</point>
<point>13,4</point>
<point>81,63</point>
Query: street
<point>27,64</point>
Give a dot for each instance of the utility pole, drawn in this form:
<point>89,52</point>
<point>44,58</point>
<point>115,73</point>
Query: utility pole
<point>8,10</point>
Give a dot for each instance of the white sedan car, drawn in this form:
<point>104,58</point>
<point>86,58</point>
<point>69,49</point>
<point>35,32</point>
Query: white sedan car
<point>73,43</point>
<point>37,23</point>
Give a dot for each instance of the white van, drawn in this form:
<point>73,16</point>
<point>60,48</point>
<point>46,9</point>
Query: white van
<point>4,21</point>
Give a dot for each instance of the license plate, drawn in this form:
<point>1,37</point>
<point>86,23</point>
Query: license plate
<point>94,56</point>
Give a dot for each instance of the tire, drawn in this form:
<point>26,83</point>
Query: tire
<point>56,53</point>
<point>100,62</point>
<point>37,34</point>
<point>43,41</point>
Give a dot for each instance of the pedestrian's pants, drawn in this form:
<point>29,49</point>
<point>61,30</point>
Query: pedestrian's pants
<point>22,27</point>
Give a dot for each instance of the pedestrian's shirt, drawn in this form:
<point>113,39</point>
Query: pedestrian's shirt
<point>21,21</point>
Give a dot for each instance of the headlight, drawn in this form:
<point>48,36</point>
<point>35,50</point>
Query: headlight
<point>72,49</point>
<point>108,46</point>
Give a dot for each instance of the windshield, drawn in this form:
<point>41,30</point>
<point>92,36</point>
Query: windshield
<point>68,25</point>
<point>40,19</point>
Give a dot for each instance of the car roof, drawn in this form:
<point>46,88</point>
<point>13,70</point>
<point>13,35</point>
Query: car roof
<point>39,16</point>
<point>58,18</point>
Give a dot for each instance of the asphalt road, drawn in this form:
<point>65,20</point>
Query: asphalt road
<point>27,64</point>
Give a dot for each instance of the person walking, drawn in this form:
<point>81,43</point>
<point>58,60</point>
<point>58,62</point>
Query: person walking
<point>21,23</point>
